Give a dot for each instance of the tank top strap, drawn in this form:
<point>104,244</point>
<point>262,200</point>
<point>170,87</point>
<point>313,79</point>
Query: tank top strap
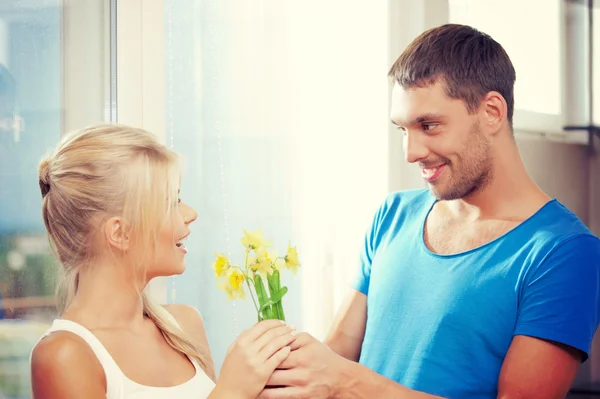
<point>114,376</point>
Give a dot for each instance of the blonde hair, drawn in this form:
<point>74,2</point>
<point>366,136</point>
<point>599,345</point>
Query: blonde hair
<point>92,176</point>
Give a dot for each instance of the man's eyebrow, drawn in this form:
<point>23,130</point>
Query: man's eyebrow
<point>418,119</point>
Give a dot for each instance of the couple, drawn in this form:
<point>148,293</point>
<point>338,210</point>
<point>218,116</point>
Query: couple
<point>481,286</point>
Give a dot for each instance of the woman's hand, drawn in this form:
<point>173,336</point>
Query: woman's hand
<point>252,358</point>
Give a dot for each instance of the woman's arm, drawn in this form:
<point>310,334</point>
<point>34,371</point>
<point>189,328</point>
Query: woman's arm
<point>63,366</point>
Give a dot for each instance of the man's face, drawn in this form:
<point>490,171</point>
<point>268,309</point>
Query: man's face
<point>444,139</point>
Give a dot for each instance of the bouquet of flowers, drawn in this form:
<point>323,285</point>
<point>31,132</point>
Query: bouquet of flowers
<point>260,265</point>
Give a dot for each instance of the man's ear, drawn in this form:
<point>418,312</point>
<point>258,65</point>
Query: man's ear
<point>494,111</point>
<point>116,234</point>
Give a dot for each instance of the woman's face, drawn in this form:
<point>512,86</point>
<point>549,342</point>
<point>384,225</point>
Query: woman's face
<point>170,250</point>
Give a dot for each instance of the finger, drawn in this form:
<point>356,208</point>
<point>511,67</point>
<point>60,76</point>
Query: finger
<point>283,392</point>
<point>281,378</point>
<point>277,358</point>
<point>290,362</point>
<point>275,345</point>
<point>301,340</point>
<point>271,336</point>
<point>259,329</point>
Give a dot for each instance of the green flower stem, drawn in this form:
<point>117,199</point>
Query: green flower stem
<point>249,287</point>
<point>262,297</point>
<point>274,280</point>
<point>246,274</point>
<point>251,293</point>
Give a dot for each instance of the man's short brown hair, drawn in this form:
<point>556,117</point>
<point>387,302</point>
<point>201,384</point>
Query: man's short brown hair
<point>468,62</point>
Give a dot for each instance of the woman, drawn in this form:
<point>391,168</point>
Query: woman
<point>112,211</point>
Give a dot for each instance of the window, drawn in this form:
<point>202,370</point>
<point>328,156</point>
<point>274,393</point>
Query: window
<point>51,80</point>
<point>282,122</point>
<point>534,50</point>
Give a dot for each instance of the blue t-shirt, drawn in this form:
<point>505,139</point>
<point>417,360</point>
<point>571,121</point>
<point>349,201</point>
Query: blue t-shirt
<point>442,324</point>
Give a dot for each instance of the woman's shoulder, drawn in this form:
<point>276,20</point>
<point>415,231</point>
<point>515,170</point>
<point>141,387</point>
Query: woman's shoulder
<point>63,364</point>
<point>191,323</point>
<point>188,317</point>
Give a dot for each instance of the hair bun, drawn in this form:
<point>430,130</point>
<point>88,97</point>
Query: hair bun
<point>44,176</point>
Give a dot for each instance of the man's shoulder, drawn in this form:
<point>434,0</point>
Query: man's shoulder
<point>411,199</point>
<point>557,237</point>
<point>401,208</point>
<point>557,225</point>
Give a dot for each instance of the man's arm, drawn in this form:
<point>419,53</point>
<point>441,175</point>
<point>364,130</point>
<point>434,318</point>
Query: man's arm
<point>537,368</point>
<point>348,330</point>
<point>533,368</point>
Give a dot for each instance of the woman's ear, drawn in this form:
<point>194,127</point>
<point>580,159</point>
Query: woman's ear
<point>116,234</point>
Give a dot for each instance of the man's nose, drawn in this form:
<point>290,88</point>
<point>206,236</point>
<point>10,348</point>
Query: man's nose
<point>414,149</point>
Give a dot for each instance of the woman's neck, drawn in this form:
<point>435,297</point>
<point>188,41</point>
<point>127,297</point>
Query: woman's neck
<point>106,298</point>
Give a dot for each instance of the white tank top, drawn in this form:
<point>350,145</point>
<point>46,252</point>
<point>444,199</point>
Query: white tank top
<point>118,386</point>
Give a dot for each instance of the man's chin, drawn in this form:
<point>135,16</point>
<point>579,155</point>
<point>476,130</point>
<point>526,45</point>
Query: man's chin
<point>435,190</point>
<point>442,194</point>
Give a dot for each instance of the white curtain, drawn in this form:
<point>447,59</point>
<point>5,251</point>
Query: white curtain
<point>280,111</point>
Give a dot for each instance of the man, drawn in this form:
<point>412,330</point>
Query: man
<point>481,286</point>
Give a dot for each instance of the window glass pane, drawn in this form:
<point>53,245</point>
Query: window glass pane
<point>534,50</point>
<point>37,52</point>
<point>284,128</point>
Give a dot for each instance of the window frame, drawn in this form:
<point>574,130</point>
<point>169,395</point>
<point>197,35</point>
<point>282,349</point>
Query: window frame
<point>77,105</point>
<point>536,125</point>
<point>141,82</point>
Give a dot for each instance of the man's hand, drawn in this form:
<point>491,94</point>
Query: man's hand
<point>312,370</point>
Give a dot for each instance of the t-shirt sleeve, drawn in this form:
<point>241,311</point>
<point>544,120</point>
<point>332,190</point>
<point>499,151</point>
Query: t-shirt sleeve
<point>560,297</point>
<point>362,277</point>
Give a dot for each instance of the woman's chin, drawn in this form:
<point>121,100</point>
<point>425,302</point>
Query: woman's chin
<point>174,270</point>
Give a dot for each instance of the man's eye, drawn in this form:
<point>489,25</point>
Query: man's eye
<point>428,126</point>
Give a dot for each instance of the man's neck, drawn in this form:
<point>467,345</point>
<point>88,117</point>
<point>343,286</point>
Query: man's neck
<point>510,194</point>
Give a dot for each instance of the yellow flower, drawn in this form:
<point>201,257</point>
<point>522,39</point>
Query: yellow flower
<point>261,252</point>
<point>276,262</point>
<point>291,260</point>
<point>279,263</point>
<point>255,240</point>
<point>251,266</point>
<point>262,264</point>
<point>233,285</point>
<point>221,265</point>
